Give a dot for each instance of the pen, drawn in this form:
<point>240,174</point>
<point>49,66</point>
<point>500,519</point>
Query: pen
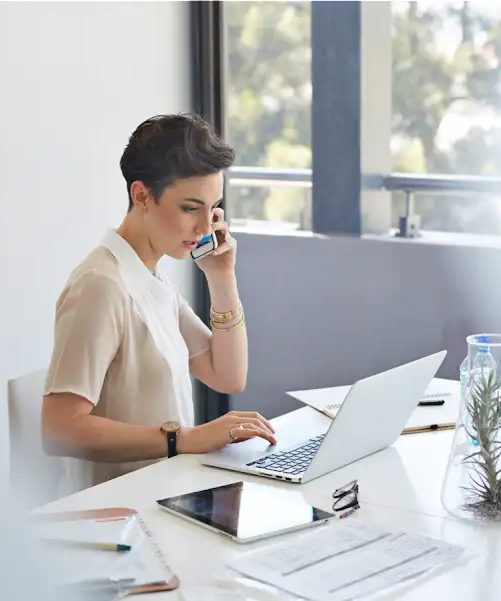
<point>88,544</point>
<point>431,403</point>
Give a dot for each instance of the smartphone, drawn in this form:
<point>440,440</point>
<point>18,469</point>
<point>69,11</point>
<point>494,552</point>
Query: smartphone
<point>206,245</point>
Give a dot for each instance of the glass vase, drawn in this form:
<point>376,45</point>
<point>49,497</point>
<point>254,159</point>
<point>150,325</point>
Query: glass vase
<point>472,484</point>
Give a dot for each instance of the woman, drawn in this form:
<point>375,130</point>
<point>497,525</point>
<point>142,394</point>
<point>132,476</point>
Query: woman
<point>118,391</point>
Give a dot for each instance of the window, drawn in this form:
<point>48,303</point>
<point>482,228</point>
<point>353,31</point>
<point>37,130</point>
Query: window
<point>447,107</point>
<point>268,107</point>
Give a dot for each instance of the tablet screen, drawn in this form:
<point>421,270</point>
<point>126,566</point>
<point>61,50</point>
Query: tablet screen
<point>246,510</point>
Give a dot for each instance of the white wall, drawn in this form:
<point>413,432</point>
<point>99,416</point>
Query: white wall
<point>76,79</point>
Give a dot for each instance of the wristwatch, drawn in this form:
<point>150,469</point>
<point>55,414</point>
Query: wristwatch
<point>171,429</point>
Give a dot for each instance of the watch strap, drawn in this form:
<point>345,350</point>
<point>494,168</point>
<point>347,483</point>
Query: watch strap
<point>171,444</point>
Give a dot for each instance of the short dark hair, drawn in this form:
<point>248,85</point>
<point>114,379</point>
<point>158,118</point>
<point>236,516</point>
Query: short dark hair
<point>167,148</point>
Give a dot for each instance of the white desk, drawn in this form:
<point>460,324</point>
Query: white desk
<point>399,487</point>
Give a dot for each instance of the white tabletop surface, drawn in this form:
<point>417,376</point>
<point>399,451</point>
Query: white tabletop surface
<point>399,488</point>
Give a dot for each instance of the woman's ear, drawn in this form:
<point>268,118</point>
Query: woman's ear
<point>140,195</point>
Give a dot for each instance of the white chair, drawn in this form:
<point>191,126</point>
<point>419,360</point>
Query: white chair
<point>34,476</point>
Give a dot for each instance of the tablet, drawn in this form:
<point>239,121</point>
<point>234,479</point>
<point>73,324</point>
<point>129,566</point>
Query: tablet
<point>246,511</point>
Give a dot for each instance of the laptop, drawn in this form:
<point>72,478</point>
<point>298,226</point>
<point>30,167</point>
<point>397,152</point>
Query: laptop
<point>370,419</point>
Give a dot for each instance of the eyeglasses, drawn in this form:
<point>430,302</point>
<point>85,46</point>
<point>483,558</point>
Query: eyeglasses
<point>346,499</point>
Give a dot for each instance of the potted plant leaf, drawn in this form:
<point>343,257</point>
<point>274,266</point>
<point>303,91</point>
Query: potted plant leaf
<point>472,483</point>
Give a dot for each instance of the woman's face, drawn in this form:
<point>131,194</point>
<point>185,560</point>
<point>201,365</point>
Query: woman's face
<point>182,215</point>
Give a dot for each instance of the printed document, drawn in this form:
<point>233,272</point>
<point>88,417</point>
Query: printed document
<point>346,562</point>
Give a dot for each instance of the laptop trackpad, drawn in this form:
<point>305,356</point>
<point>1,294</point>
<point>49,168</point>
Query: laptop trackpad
<point>241,453</point>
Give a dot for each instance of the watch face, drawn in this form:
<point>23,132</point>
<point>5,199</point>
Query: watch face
<point>171,426</point>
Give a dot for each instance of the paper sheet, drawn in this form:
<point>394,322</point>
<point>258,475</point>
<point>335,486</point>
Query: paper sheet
<point>347,562</point>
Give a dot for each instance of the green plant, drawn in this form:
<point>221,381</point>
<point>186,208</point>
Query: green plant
<point>483,407</point>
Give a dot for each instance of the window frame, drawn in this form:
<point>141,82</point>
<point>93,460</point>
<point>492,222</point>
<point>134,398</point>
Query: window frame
<point>208,94</point>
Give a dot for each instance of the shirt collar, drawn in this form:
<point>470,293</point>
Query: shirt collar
<point>136,275</point>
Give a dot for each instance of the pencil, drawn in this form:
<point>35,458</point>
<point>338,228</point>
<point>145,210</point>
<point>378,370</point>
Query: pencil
<point>82,544</point>
<point>431,428</point>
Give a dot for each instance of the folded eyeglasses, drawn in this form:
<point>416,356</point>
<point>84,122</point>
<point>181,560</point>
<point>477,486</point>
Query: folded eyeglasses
<point>346,499</point>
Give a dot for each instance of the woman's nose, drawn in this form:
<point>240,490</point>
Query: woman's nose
<point>205,227</point>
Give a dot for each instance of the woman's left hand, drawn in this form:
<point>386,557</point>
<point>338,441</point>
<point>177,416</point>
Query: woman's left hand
<point>222,260</point>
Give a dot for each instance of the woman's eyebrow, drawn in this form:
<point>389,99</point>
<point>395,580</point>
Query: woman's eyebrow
<point>201,202</point>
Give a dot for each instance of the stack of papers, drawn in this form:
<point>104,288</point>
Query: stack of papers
<point>348,562</point>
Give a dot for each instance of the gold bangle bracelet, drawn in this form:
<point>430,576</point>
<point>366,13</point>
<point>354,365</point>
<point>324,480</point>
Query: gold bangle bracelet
<point>226,321</point>
<point>237,325</point>
<point>226,316</point>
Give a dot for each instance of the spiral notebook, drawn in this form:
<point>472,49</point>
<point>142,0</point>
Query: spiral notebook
<point>144,566</point>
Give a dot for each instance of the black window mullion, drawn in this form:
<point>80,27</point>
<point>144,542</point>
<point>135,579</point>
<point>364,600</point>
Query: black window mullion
<point>208,101</point>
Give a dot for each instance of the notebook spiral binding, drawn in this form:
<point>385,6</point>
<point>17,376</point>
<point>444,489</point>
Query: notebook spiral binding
<point>158,552</point>
<point>436,395</point>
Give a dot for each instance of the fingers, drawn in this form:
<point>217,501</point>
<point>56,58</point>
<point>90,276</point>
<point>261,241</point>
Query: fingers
<point>249,430</point>
<point>257,423</point>
<point>229,245</point>
<point>251,415</point>
<point>220,226</point>
<point>226,242</point>
<point>218,215</point>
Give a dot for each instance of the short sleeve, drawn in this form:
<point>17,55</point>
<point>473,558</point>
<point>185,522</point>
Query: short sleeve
<point>88,333</point>
<point>195,333</point>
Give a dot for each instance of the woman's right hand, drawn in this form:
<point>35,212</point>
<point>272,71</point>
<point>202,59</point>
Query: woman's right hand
<point>216,433</point>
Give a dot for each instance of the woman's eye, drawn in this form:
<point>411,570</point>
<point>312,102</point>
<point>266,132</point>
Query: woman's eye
<point>189,209</point>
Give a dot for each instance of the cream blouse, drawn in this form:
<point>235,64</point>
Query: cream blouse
<point>123,340</point>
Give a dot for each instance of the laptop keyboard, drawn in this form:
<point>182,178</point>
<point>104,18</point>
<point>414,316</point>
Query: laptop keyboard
<point>290,462</point>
